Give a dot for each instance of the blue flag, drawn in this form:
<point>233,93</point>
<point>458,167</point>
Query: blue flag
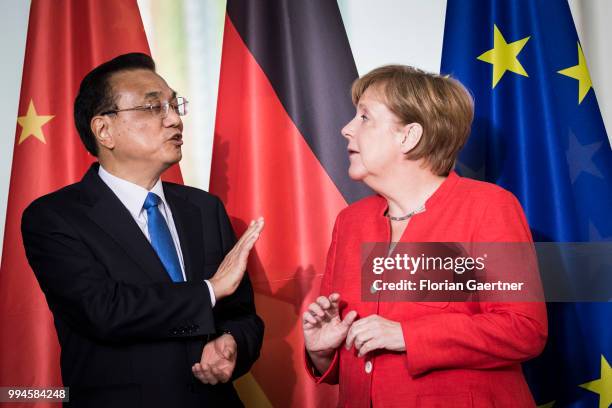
<point>538,132</point>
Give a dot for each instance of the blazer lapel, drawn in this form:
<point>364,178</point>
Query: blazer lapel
<point>188,221</point>
<point>110,215</point>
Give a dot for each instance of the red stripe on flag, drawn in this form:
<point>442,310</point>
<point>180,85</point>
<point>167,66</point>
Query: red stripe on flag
<point>263,166</point>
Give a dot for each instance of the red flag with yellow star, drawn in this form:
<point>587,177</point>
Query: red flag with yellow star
<point>66,39</point>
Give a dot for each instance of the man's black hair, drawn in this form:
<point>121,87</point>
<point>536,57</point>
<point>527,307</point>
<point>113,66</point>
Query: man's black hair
<point>96,96</point>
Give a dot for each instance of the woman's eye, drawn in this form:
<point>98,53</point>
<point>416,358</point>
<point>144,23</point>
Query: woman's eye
<point>364,117</point>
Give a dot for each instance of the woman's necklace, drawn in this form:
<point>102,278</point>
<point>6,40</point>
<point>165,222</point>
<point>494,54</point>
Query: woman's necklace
<point>405,217</point>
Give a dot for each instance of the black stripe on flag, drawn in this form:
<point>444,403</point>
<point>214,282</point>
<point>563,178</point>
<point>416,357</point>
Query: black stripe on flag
<point>303,49</point>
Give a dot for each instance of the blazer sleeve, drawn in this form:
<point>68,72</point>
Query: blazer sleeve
<point>236,313</point>
<point>79,289</point>
<point>331,376</point>
<point>501,334</point>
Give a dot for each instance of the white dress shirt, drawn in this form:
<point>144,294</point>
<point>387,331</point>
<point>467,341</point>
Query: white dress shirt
<point>133,196</point>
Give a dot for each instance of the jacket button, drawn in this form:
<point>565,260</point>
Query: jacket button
<point>368,367</point>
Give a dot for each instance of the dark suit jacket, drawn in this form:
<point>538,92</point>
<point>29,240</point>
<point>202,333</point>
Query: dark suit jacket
<point>128,335</point>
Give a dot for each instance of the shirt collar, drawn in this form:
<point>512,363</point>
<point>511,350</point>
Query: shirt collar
<point>131,195</point>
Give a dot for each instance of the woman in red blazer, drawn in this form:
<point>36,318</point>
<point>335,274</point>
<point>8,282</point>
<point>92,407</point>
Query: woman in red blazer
<point>403,142</point>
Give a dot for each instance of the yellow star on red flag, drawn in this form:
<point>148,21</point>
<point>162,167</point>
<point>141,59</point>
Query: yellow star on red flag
<point>32,123</point>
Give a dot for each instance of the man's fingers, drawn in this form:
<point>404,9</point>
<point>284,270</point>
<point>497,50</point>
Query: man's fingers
<point>244,245</point>
<point>254,228</point>
<point>218,372</point>
<point>229,352</point>
<point>210,377</point>
<point>248,245</point>
<point>203,374</point>
<point>197,372</point>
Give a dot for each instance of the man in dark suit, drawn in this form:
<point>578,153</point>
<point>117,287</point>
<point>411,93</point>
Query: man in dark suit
<point>149,294</point>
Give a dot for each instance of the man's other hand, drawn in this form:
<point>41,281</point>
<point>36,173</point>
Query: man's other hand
<point>218,360</point>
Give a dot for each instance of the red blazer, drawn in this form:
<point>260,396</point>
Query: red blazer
<point>457,354</point>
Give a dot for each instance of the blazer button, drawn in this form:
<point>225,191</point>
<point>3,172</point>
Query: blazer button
<point>368,367</point>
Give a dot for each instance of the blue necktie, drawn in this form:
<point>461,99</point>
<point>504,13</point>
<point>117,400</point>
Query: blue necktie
<point>161,240</point>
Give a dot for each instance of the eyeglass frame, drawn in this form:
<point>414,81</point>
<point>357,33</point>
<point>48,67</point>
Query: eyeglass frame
<point>181,102</point>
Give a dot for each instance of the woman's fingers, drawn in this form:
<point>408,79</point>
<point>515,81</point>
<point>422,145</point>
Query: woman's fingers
<point>357,327</point>
<point>349,319</point>
<point>324,302</point>
<point>368,346</point>
<point>308,318</point>
<point>316,310</point>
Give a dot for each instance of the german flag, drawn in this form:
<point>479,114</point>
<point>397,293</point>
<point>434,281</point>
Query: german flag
<point>284,95</point>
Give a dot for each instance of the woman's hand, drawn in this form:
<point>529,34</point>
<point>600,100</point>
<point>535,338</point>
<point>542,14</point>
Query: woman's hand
<point>324,331</point>
<point>375,332</point>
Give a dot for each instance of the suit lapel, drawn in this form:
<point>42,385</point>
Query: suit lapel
<point>110,215</point>
<point>188,221</point>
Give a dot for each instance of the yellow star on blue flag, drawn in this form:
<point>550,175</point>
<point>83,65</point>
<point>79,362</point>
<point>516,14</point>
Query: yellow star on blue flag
<point>518,59</point>
<point>504,56</point>
<point>581,73</point>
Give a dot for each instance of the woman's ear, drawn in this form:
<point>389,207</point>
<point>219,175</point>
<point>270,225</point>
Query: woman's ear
<point>411,135</point>
<point>100,126</point>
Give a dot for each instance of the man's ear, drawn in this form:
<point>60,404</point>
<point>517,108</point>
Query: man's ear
<point>411,135</point>
<point>100,126</point>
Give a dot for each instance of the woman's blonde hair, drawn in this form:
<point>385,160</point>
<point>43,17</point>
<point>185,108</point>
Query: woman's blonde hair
<point>441,105</point>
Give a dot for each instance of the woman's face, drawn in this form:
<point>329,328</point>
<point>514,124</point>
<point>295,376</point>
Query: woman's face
<point>374,138</point>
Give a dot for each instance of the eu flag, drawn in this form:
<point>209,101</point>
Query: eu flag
<point>538,132</point>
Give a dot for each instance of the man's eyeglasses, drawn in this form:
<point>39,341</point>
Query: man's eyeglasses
<point>179,105</point>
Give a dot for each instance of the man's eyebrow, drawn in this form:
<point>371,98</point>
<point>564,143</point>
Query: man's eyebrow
<point>157,94</point>
<point>151,95</point>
